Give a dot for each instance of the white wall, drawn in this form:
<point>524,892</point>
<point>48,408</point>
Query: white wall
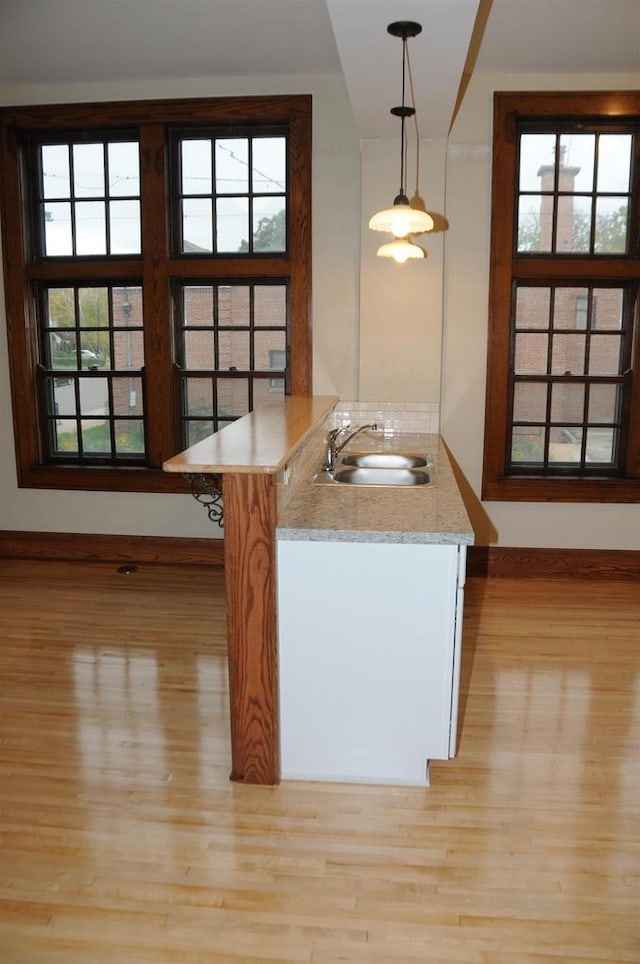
<point>400,304</point>
<point>468,209</point>
<point>336,213</point>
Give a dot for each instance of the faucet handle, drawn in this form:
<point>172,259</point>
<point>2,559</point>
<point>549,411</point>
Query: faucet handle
<point>333,434</point>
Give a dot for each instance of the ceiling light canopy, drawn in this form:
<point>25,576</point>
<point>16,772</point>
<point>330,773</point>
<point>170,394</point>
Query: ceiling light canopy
<point>405,217</point>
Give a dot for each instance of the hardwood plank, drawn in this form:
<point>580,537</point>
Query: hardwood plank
<point>123,840</point>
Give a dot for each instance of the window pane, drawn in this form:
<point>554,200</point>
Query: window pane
<point>61,312</point>
<point>128,349</point>
<point>602,444</point>
<point>197,226</point>
<point>62,350</point>
<point>96,437</point>
<point>65,437</point>
<point>614,162</point>
<point>124,169</point>
<point>196,166</point>
<point>198,305</point>
<point>531,354</point>
<point>64,396</point>
<point>127,396</point>
<point>604,355</point>
<point>270,305</point>
<point>269,224</point>
<point>565,445</point>
<point>234,350</point>
<point>127,306</point>
<point>269,346</point>
<point>129,435</point>
<point>232,224</point>
<point>264,390</point>
<point>570,307</point>
<point>529,402</point>
<point>568,355</point>
<point>604,403</point>
<point>94,396</point>
<point>56,180</point>
<point>232,165</point>
<point>233,397</point>
<point>91,235</point>
<point>124,225</point>
<point>269,165</point>
<point>607,310</point>
<point>577,153</point>
<point>567,403</point>
<point>573,230</point>
<point>94,307</point>
<point>197,431</point>
<point>199,349</point>
<point>234,305</point>
<point>58,240</point>
<point>199,396</point>
<point>535,222</point>
<point>527,444</point>
<point>536,150</point>
<point>612,215</point>
<point>88,170</point>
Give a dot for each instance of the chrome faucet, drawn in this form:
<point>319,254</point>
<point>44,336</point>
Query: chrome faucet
<point>334,446</point>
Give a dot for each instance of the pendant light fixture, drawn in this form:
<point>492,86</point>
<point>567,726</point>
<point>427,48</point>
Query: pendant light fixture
<point>405,218</point>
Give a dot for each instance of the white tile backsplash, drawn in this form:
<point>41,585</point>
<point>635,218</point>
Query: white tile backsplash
<point>397,418</point>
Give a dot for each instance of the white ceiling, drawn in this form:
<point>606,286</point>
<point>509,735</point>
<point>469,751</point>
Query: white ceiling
<point>84,41</point>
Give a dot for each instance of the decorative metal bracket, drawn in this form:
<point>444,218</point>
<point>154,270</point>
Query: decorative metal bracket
<point>207,490</point>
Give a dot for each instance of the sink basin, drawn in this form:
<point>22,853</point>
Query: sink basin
<point>384,460</point>
<point>358,475</point>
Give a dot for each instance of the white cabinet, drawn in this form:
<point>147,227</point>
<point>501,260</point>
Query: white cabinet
<point>369,658</point>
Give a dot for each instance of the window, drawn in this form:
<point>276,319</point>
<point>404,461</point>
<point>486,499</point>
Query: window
<point>227,337</point>
<point>563,374</point>
<point>157,262</point>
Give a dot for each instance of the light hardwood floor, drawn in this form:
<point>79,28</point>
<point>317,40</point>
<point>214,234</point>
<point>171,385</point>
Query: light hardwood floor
<point>123,840</point>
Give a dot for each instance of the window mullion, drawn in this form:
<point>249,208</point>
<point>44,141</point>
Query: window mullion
<point>157,302</point>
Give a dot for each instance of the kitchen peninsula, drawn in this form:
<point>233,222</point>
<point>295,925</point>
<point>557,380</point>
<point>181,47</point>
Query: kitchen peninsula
<point>273,512</point>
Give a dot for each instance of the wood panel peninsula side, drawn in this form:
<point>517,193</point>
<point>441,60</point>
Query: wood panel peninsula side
<point>248,455</point>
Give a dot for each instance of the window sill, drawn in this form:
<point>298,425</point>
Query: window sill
<point>561,490</point>
<point>101,479</point>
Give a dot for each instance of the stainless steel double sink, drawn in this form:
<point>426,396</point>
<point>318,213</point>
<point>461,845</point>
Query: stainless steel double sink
<point>378,468</point>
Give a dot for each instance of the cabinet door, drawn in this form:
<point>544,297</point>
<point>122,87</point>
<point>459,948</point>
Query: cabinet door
<point>366,638</point>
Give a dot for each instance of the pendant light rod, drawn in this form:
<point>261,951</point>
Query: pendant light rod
<point>403,29</point>
<point>405,218</point>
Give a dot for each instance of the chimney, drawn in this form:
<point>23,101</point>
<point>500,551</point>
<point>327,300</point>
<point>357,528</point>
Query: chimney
<point>566,183</point>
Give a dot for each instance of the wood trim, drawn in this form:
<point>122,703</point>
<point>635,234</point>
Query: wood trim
<point>86,547</point>
<point>158,379</point>
<point>497,561</point>
<point>300,346</point>
<point>250,575</point>
<point>269,109</point>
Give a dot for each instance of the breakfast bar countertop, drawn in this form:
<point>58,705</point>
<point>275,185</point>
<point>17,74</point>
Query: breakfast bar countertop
<point>260,442</point>
<point>315,511</point>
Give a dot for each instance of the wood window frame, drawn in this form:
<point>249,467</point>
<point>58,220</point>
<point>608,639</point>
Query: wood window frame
<point>156,269</point>
<point>507,267</point>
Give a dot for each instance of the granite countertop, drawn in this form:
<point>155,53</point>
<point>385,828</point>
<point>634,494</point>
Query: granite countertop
<point>315,512</point>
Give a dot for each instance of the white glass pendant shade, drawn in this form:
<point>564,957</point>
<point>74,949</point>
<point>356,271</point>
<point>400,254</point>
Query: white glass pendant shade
<point>402,219</point>
<point>401,250</point>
